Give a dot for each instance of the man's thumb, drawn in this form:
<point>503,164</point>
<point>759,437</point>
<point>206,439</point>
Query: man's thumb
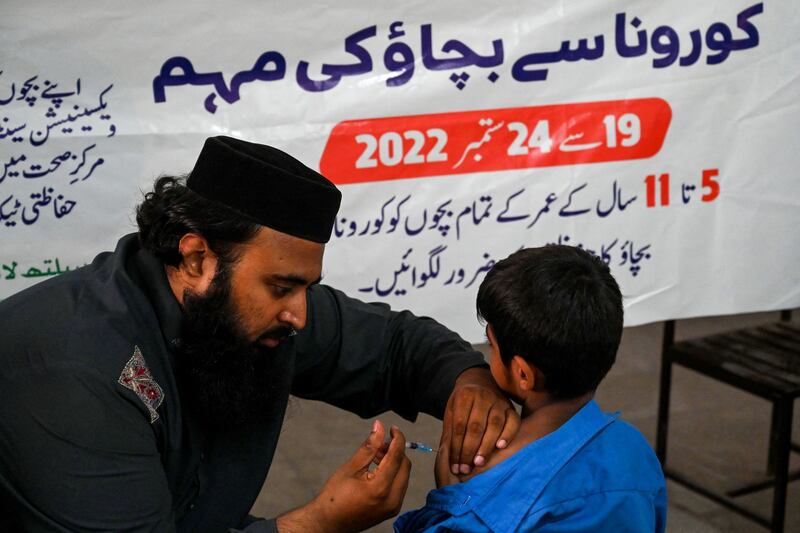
<point>369,448</point>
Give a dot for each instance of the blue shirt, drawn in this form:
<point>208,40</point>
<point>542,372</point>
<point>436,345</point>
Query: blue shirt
<point>594,473</point>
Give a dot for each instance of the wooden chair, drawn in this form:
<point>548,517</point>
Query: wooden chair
<point>764,361</point>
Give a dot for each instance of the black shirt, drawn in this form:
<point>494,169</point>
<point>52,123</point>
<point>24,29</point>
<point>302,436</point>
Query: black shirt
<point>92,431</point>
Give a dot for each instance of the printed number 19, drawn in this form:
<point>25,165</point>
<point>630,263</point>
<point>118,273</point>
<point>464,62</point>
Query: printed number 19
<point>629,126</point>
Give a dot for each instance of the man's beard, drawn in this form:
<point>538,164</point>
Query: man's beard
<point>225,378</point>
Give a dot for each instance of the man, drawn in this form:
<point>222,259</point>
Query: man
<point>146,391</point>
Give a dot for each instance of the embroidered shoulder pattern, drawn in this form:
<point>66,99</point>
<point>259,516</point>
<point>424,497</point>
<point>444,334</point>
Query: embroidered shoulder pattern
<point>138,378</point>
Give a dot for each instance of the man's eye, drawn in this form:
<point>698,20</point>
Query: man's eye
<point>280,290</point>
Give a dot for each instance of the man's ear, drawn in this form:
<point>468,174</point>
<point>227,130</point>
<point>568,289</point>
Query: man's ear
<point>198,263</point>
<point>524,374</point>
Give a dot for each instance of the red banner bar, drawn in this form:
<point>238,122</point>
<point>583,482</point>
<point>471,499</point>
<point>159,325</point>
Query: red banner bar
<point>495,139</point>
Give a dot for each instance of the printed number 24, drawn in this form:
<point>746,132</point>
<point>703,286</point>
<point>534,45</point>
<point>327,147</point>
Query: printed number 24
<point>393,151</point>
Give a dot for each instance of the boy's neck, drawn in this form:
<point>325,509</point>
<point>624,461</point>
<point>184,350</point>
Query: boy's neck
<point>542,414</point>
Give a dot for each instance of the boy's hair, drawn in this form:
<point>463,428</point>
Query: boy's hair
<point>560,309</point>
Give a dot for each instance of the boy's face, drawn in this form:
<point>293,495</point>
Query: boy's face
<point>501,374</point>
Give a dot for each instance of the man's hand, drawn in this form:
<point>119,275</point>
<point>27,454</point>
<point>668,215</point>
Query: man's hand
<point>355,497</point>
<point>478,419</point>
<point>441,470</point>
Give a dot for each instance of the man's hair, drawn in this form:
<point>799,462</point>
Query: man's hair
<point>560,309</point>
<point>171,210</point>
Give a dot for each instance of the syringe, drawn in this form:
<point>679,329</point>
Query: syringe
<point>419,446</point>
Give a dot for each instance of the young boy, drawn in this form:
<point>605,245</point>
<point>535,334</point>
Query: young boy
<point>553,322</point>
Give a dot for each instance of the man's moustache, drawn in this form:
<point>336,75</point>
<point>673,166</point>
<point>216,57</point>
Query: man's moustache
<point>278,333</point>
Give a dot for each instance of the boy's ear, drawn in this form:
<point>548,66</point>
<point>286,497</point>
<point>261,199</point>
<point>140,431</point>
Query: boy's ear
<point>524,374</point>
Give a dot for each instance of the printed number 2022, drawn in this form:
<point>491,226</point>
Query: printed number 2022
<point>392,149</point>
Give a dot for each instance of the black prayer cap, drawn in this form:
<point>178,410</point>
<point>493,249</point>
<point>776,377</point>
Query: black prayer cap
<point>268,185</point>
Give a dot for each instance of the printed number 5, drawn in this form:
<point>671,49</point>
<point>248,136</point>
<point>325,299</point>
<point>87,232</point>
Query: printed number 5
<point>711,184</point>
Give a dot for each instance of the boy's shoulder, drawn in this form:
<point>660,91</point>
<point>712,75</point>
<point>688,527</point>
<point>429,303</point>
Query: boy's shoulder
<point>618,458</point>
<point>612,483</point>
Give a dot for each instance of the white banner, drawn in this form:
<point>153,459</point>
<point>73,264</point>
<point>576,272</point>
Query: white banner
<point>663,138</point>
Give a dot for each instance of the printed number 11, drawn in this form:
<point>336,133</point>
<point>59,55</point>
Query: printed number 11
<point>663,181</point>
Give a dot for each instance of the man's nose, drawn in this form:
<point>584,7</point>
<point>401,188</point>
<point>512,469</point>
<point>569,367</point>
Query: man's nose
<point>295,312</point>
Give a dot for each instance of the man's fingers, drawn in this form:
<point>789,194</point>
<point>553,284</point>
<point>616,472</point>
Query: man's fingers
<point>369,448</point>
<point>392,474</point>
<point>381,453</point>
<point>448,414</point>
<point>397,492</point>
<point>444,441</point>
<point>442,467</point>
<point>494,429</point>
<point>462,406</point>
<point>393,460</point>
<point>447,431</point>
<point>510,428</point>
<point>441,470</point>
<point>476,427</point>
